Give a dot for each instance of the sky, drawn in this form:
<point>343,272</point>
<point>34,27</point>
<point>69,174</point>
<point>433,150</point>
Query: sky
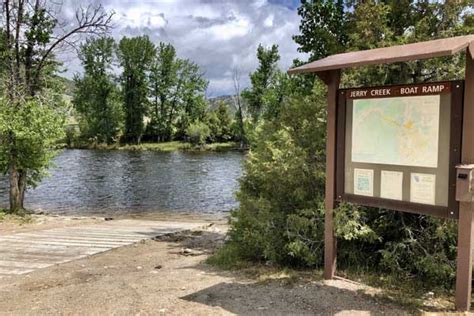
<point>217,35</point>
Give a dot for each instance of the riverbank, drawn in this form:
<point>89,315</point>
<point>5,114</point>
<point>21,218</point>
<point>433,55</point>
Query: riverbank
<point>13,224</point>
<point>170,275</point>
<point>163,147</point>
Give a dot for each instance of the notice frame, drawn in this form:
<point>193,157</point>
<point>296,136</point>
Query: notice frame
<point>455,90</point>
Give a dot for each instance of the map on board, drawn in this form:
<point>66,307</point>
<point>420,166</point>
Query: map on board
<point>396,131</point>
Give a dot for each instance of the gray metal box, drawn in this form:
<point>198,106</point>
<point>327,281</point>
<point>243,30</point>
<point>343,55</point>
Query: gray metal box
<point>464,183</point>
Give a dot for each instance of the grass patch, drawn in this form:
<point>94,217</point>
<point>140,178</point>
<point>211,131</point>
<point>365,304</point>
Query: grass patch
<point>164,147</point>
<point>21,218</point>
<point>408,293</point>
<point>228,257</point>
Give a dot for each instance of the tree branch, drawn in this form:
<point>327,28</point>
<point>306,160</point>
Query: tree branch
<point>90,20</point>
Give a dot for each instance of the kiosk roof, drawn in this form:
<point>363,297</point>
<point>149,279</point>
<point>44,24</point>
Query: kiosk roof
<point>386,55</point>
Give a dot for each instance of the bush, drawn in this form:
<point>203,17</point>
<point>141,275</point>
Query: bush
<point>198,132</point>
<point>281,214</point>
<point>72,135</point>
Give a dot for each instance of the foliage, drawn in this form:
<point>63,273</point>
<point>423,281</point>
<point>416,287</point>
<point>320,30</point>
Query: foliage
<point>96,98</point>
<point>317,17</point>
<point>30,36</point>
<point>71,135</point>
<point>177,89</point>
<point>135,56</point>
<point>261,80</point>
<point>160,95</point>
<point>198,132</point>
<point>280,217</point>
<point>33,129</point>
<point>220,123</point>
<point>164,146</point>
<point>20,218</point>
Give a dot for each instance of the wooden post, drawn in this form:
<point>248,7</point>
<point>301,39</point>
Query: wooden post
<point>332,79</point>
<point>466,209</point>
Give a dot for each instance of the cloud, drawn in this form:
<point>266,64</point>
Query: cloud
<point>217,35</point>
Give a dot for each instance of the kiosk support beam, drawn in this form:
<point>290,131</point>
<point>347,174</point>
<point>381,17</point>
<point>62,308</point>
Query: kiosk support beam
<point>466,209</point>
<point>332,79</point>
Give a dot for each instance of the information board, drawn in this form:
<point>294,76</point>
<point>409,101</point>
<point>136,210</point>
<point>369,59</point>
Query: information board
<point>398,146</point>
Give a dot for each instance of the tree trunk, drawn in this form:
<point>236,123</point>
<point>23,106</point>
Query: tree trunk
<point>16,202</point>
<point>22,186</point>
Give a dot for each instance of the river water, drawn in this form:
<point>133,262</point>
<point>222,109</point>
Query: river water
<point>93,182</point>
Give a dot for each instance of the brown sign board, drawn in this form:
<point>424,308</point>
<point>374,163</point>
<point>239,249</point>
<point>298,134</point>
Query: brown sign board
<point>459,100</point>
<point>398,146</point>
<point>399,91</point>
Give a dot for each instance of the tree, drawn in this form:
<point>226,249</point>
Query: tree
<point>198,132</point>
<point>162,80</point>
<point>37,128</point>
<point>135,55</point>
<point>281,213</point>
<point>96,97</point>
<point>239,115</point>
<point>177,89</point>
<point>32,34</point>
<point>189,102</point>
<point>323,28</point>
<point>220,123</point>
<point>261,80</point>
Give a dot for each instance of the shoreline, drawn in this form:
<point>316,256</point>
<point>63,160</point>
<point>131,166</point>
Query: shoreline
<point>13,224</point>
<point>162,147</point>
<point>169,256</point>
<point>170,274</point>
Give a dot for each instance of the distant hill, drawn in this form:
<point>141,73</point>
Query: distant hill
<point>227,99</point>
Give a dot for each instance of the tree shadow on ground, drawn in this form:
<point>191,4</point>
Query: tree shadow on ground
<point>247,293</point>
<point>273,298</point>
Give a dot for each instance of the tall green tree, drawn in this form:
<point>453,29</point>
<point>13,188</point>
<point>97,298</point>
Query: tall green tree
<point>261,80</point>
<point>177,89</point>
<point>220,123</point>
<point>191,93</point>
<point>323,28</point>
<point>162,80</point>
<point>96,97</point>
<point>30,40</point>
<point>135,55</point>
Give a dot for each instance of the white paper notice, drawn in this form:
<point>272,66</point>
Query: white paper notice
<point>423,188</point>
<point>391,186</point>
<point>364,182</point>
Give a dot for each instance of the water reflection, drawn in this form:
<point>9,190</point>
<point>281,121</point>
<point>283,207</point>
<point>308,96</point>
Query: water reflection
<point>117,182</point>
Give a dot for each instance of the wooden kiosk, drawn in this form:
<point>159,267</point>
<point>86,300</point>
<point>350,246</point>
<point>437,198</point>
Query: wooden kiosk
<point>421,160</point>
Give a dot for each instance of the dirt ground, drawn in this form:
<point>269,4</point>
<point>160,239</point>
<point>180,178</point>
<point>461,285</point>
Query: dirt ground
<point>39,222</point>
<point>170,277</point>
<point>35,222</point>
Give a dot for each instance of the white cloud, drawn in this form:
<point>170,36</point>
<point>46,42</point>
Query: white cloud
<point>268,22</point>
<point>216,34</point>
<point>228,31</point>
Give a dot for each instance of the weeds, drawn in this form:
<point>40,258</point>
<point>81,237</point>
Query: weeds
<point>21,218</point>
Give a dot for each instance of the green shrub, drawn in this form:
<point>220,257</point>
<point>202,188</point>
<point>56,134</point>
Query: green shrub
<point>198,132</point>
<point>281,214</point>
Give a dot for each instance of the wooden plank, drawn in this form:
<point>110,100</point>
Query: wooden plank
<point>332,80</point>
<point>466,209</point>
<point>399,53</point>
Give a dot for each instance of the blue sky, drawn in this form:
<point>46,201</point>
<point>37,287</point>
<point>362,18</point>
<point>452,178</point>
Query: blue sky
<point>217,35</point>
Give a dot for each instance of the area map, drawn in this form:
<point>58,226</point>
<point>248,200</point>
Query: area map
<point>396,131</point>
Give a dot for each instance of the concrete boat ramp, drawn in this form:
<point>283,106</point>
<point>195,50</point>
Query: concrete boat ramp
<point>25,252</point>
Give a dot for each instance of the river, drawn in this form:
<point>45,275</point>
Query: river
<point>93,182</point>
